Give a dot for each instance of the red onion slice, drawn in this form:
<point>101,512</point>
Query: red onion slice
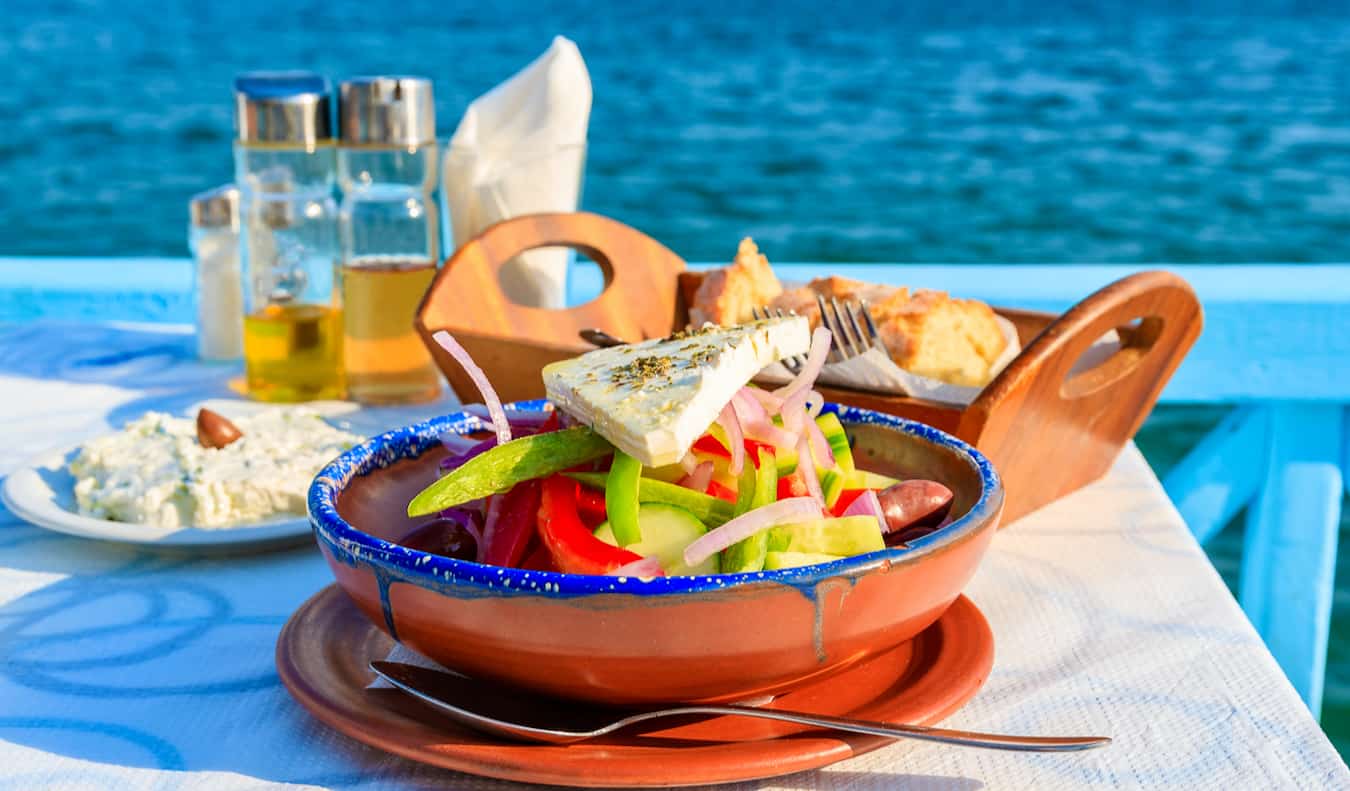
<point>814,403</point>
<point>689,462</point>
<point>480,446</point>
<point>867,504</point>
<point>516,418</point>
<point>494,404</point>
<point>793,410</point>
<point>756,423</point>
<point>699,479</point>
<point>458,444</point>
<point>645,568</point>
<point>731,424</point>
<point>771,403</point>
<point>791,509</point>
<point>808,467</point>
<point>819,445</point>
<point>815,360</point>
<point>491,517</point>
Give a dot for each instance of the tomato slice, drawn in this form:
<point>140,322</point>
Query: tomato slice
<point>846,498</point>
<point>753,448</point>
<point>793,485</point>
<point>591,507</point>
<point>574,549</point>
<point>710,446</point>
<point>721,492</point>
<point>538,558</point>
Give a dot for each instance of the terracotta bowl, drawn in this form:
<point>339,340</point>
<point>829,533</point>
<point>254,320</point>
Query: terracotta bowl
<point>628,641</point>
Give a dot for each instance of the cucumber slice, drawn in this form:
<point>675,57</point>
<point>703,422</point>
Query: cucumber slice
<point>671,473</point>
<point>745,555</point>
<point>766,480</point>
<point>707,509</point>
<point>844,536</point>
<point>832,485</point>
<point>748,553</point>
<point>862,479</point>
<point>666,531</point>
<point>745,489</point>
<point>787,560</point>
<point>838,439</point>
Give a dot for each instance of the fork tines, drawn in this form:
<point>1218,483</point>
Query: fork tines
<point>851,324</point>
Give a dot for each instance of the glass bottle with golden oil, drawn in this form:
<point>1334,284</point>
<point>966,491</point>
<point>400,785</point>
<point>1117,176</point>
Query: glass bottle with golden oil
<point>284,167</point>
<point>389,236</point>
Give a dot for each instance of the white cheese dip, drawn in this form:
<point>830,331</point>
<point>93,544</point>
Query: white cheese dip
<point>154,472</point>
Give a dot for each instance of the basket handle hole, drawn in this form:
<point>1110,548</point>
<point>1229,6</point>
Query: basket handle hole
<point>1111,357</point>
<point>537,276</point>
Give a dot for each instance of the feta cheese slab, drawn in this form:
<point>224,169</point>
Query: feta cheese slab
<point>653,399</point>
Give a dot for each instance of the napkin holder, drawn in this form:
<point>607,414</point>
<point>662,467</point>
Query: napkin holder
<point>1049,428</point>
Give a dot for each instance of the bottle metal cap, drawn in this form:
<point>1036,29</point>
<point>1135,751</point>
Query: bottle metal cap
<point>387,111</point>
<point>215,208</point>
<point>282,107</point>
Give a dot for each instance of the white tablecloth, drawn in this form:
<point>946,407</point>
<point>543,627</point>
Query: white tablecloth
<point>125,668</point>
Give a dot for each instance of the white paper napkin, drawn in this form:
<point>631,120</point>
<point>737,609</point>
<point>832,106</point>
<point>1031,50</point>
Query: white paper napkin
<point>521,149</point>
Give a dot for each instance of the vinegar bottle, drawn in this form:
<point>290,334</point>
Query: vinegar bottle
<point>284,168</point>
<point>389,237</point>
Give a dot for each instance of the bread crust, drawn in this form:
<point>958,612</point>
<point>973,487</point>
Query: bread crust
<point>926,332</point>
<point>729,295</point>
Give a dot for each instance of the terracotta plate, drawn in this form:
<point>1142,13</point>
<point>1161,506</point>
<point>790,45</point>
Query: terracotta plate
<point>324,650</point>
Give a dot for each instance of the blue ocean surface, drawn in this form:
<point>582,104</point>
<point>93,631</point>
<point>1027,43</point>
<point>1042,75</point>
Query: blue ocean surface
<point>1056,132</point>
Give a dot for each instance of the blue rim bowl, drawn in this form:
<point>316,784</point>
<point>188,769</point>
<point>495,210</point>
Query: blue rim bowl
<point>417,597</point>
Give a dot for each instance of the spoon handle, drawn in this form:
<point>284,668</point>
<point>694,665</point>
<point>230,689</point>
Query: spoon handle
<point>993,741</point>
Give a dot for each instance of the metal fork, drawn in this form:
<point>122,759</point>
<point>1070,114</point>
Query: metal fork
<point>793,364</point>
<point>850,322</point>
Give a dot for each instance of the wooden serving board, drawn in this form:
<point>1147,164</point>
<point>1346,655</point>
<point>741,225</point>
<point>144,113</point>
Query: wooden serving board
<point>1048,428</point>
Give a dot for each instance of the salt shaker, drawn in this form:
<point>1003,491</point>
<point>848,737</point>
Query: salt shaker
<point>213,237</point>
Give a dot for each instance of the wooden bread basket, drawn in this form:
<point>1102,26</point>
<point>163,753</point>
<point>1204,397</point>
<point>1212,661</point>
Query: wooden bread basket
<point>1048,428</point>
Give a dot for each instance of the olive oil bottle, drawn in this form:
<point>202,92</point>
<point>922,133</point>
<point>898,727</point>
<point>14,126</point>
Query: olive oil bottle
<point>291,352</point>
<point>285,167</point>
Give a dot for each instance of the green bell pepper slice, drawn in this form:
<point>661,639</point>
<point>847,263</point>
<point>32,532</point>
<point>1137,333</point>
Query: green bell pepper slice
<point>711,511</point>
<point>747,554</point>
<point>500,468</point>
<point>621,498</point>
<point>745,489</point>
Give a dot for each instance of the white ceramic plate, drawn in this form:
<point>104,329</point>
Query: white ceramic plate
<point>42,491</point>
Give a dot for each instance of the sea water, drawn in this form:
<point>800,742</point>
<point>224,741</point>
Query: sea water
<point>1045,131</point>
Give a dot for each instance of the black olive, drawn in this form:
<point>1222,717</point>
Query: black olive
<point>442,536</point>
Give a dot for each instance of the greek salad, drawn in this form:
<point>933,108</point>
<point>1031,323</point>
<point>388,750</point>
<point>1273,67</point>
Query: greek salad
<point>660,458</point>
